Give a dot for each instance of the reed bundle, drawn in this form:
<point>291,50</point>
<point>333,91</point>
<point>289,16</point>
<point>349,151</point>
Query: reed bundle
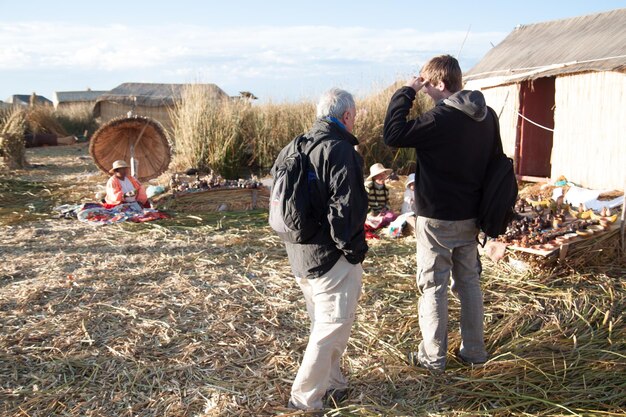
<point>12,147</point>
<point>216,199</point>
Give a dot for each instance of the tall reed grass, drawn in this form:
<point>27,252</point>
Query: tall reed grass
<point>208,134</point>
<point>77,118</point>
<point>229,135</point>
<point>368,128</point>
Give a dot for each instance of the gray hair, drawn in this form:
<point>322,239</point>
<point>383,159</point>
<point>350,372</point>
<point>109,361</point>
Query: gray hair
<point>334,103</point>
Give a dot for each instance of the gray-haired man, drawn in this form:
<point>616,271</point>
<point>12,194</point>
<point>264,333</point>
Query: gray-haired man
<point>328,266</point>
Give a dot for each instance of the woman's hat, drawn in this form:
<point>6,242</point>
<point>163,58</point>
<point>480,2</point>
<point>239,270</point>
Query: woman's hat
<point>410,180</point>
<point>118,164</point>
<point>376,169</point>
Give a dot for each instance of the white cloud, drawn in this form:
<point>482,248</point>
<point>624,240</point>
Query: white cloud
<point>247,51</point>
<point>271,61</point>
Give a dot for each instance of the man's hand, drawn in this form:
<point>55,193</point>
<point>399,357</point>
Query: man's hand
<point>416,83</point>
<point>495,250</point>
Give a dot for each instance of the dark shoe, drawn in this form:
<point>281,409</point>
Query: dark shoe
<point>412,359</point>
<point>466,362</point>
<point>334,397</point>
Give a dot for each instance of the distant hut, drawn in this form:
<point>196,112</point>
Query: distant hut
<point>246,96</point>
<point>25,100</point>
<point>65,99</point>
<point>559,88</point>
<point>146,99</point>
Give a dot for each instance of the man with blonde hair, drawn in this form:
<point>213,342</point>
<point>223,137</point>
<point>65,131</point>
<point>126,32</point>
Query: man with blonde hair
<point>454,142</point>
<point>327,266</point>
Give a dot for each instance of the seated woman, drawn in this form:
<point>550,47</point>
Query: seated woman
<point>123,188</point>
<point>380,213</point>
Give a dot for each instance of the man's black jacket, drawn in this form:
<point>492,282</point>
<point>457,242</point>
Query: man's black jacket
<point>341,202</point>
<point>454,142</point>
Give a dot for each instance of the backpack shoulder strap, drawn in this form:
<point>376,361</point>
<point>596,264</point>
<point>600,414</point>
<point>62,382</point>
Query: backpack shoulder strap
<point>313,144</point>
<point>497,145</point>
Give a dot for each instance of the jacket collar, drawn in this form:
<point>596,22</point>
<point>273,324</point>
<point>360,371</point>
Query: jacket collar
<point>324,126</point>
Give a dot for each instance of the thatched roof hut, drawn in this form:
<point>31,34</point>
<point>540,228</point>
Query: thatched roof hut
<point>69,98</point>
<point>146,99</point>
<point>559,89</point>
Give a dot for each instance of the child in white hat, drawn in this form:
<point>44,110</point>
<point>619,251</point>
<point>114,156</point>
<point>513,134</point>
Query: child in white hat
<point>405,223</point>
<point>409,195</point>
<point>377,191</point>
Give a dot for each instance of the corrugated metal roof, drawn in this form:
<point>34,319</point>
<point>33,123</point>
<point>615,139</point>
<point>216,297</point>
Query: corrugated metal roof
<point>587,43</point>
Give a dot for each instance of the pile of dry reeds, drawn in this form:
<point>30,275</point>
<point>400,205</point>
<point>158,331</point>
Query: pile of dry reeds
<point>42,119</point>
<point>17,122</point>
<point>12,147</point>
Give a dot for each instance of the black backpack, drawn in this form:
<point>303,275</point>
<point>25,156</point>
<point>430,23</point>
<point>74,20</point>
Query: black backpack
<point>294,214</point>
<point>497,204</point>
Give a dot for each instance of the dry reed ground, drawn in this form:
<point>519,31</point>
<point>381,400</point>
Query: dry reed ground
<point>192,317</point>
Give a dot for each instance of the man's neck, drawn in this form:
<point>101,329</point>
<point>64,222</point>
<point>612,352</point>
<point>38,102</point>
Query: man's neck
<point>444,95</point>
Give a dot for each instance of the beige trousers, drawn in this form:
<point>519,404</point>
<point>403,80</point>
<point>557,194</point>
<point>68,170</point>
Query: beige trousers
<point>331,302</point>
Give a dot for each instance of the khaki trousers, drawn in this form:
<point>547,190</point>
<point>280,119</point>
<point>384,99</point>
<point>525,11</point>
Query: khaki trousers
<point>445,247</point>
<point>331,302</point>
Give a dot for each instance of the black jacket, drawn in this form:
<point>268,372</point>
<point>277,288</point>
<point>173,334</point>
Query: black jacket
<point>453,142</point>
<point>341,203</point>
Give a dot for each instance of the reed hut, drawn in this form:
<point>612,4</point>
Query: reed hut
<point>147,99</point>
<point>66,99</point>
<point>558,88</point>
<point>27,99</point>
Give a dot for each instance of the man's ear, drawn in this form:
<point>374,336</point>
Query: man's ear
<point>441,86</point>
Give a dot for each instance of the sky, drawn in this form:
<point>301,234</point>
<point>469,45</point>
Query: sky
<point>278,50</point>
